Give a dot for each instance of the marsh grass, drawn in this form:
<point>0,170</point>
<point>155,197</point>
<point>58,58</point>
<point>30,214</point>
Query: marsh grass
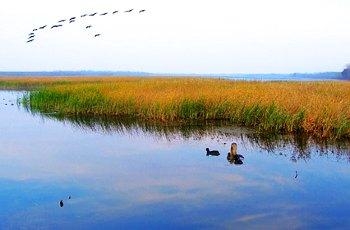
<point>320,109</point>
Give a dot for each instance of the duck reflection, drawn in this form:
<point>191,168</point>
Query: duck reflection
<point>233,157</point>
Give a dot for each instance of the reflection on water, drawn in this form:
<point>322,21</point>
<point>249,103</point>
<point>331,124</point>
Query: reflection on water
<point>125,174</point>
<point>302,145</point>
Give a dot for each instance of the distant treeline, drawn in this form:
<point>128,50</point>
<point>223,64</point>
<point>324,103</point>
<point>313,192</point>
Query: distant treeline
<point>264,77</point>
<point>346,73</point>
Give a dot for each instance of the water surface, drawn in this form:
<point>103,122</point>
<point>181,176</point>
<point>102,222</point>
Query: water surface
<point>133,175</point>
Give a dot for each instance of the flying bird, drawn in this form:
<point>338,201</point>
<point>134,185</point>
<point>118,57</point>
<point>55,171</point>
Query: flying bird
<point>72,18</point>
<point>42,27</point>
<point>55,26</point>
<point>35,29</point>
<point>63,20</point>
<point>128,11</point>
<point>96,35</point>
<point>92,14</point>
<point>30,40</point>
<point>116,11</point>
<point>71,21</point>
<point>141,11</point>
<point>61,203</point>
<point>104,14</point>
<point>84,15</point>
<point>31,36</point>
<point>89,26</point>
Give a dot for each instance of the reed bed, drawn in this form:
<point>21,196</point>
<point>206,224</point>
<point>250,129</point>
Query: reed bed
<point>320,109</point>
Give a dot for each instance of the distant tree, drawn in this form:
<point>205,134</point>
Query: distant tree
<point>346,72</point>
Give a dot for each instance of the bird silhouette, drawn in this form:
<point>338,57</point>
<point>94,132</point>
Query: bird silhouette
<point>89,26</point>
<point>296,174</point>
<point>71,21</point>
<point>31,36</point>
<point>128,11</point>
<point>104,14</point>
<point>31,33</point>
<point>55,26</point>
<point>212,152</point>
<point>35,29</point>
<point>92,14</point>
<point>63,20</point>
<point>42,27</point>
<point>114,12</point>
<point>84,15</point>
<point>30,40</point>
<point>96,35</point>
<point>141,11</point>
<point>61,203</point>
<point>72,18</point>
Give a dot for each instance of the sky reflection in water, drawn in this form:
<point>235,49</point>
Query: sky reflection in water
<point>133,175</point>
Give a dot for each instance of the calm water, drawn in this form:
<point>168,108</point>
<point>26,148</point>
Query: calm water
<point>129,175</point>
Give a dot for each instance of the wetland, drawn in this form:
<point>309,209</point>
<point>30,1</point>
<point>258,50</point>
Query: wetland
<point>126,173</point>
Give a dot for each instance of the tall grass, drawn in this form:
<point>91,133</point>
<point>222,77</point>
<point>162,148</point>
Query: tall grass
<point>321,109</point>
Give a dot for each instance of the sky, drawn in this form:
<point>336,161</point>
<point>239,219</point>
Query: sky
<point>183,36</point>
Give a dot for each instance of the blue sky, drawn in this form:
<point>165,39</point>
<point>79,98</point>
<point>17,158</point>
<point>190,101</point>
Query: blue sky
<point>221,36</point>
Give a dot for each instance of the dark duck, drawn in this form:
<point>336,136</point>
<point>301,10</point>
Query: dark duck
<point>212,152</point>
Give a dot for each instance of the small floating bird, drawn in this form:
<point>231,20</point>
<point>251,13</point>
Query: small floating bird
<point>114,12</point>
<point>141,11</point>
<point>233,157</point>
<point>96,35</point>
<point>61,203</point>
<point>89,26</point>
<point>92,14</point>
<point>212,152</point>
<point>128,11</point>
<point>63,20</point>
<point>104,14</point>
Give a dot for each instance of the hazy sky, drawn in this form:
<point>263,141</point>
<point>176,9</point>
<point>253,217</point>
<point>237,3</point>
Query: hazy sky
<point>182,36</point>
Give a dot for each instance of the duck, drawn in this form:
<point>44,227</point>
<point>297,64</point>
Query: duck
<point>233,157</point>
<point>212,152</point>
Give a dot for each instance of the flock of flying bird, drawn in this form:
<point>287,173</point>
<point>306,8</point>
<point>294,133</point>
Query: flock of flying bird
<point>31,35</point>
